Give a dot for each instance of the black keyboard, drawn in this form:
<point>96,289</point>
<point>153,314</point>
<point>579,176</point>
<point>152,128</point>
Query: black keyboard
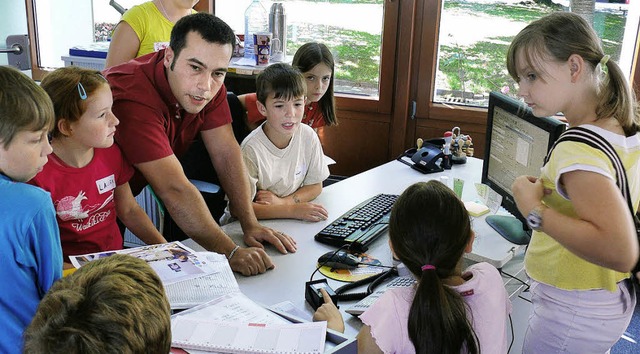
<point>362,224</point>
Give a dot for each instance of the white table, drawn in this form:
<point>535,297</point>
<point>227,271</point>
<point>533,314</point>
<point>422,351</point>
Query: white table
<point>287,280</point>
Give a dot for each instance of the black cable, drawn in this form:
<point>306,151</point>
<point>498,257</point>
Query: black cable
<point>346,245</point>
<point>377,265</point>
<point>374,280</point>
<point>513,335</point>
<point>527,300</point>
<point>516,278</point>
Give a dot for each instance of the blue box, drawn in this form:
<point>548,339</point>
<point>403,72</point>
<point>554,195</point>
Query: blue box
<point>93,50</point>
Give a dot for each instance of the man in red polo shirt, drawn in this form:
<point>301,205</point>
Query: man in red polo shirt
<point>163,100</point>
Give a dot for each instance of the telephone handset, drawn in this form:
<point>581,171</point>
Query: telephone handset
<point>427,158</point>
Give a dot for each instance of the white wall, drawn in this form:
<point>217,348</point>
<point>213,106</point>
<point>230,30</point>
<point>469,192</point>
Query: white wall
<point>13,21</point>
<point>62,24</point>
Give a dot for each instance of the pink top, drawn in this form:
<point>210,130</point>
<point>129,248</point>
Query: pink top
<point>484,293</point>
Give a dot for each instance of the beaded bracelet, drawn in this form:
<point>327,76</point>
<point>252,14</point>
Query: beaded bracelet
<point>233,252</point>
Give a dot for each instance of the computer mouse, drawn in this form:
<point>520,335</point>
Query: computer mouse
<point>339,260</point>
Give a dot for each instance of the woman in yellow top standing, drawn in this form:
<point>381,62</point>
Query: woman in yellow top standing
<point>146,28</point>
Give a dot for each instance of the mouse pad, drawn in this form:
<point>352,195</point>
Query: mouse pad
<point>366,269</point>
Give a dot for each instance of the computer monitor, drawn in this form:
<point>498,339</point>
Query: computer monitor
<point>517,143</point>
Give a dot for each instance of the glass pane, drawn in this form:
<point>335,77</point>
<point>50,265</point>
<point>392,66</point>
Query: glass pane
<point>474,37</point>
<point>63,24</point>
<point>352,29</point>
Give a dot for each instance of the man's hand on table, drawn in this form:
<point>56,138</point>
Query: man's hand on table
<point>250,261</point>
<point>256,235</point>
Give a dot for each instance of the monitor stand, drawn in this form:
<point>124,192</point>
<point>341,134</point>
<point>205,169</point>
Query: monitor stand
<point>510,228</point>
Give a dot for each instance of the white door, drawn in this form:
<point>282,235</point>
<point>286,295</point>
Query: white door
<point>13,21</point>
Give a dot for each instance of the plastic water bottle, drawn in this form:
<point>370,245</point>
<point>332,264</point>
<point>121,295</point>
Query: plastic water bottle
<point>256,19</point>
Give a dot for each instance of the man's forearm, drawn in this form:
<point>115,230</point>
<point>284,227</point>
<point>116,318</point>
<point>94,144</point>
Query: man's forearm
<point>236,184</point>
<point>189,210</point>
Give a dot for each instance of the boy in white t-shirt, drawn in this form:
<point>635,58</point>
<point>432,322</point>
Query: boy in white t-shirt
<point>284,157</point>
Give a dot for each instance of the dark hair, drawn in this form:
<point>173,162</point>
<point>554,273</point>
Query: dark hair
<point>112,305</point>
<point>438,321</point>
<point>281,79</point>
<point>562,34</point>
<point>66,86</point>
<point>24,106</point>
<point>211,28</point>
<point>306,58</point>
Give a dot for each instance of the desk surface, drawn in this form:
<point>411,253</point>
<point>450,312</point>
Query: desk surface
<point>287,280</point>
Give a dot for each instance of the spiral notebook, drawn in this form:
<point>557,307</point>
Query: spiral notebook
<point>229,337</point>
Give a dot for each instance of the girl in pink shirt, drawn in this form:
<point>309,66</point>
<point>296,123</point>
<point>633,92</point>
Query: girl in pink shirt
<point>449,310</point>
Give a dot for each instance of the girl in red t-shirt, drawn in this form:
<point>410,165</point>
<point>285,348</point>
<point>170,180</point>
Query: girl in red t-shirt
<point>87,175</point>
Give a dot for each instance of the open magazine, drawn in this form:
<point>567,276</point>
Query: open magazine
<point>173,261</point>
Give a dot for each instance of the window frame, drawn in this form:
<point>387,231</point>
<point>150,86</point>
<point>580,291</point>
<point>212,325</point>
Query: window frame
<point>426,108</point>
<point>383,104</point>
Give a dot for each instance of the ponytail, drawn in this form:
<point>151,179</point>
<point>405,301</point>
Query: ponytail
<point>438,321</point>
<point>432,248</point>
<point>616,98</point>
<point>562,34</point>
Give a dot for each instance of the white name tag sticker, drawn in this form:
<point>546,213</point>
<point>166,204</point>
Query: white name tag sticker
<point>106,184</point>
<point>160,45</point>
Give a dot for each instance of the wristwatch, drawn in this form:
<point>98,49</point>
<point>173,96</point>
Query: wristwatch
<point>534,219</point>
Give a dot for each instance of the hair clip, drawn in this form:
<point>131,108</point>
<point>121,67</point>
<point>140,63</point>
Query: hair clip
<point>81,91</point>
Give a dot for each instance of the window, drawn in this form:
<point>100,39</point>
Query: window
<point>352,29</point>
<point>471,58</point>
<point>356,40</point>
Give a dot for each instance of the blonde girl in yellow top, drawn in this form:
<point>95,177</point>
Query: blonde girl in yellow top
<point>584,243</point>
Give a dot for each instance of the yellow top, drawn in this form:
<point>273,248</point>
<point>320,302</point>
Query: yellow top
<point>546,260</point>
<point>151,27</point>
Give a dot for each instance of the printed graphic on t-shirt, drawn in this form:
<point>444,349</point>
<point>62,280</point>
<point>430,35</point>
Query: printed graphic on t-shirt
<point>71,208</point>
<point>301,170</point>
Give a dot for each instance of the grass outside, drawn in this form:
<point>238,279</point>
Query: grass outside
<point>471,70</point>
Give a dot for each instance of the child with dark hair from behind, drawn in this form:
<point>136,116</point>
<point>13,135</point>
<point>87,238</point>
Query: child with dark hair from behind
<point>283,156</point>
<point>112,305</point>
<point>30,250</point>
<point>450,310</point>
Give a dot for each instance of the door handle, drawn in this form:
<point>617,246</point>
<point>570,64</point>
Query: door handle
<point>18,51</point>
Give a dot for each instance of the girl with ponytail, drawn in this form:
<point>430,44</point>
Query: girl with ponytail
<point>450,309</point>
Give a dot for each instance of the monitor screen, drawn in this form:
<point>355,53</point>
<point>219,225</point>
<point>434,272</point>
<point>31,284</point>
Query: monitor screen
<point>517,143</point>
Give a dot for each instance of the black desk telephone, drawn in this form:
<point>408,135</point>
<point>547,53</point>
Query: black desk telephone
<point>428,158</point>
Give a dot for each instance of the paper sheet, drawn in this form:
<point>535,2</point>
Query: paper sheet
<point>193,292</point>
<point>233,307</point>
<point>173,261</point>
<point>307,338</point>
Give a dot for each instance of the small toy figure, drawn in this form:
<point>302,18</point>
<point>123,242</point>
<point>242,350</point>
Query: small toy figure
<point>461,146</point>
